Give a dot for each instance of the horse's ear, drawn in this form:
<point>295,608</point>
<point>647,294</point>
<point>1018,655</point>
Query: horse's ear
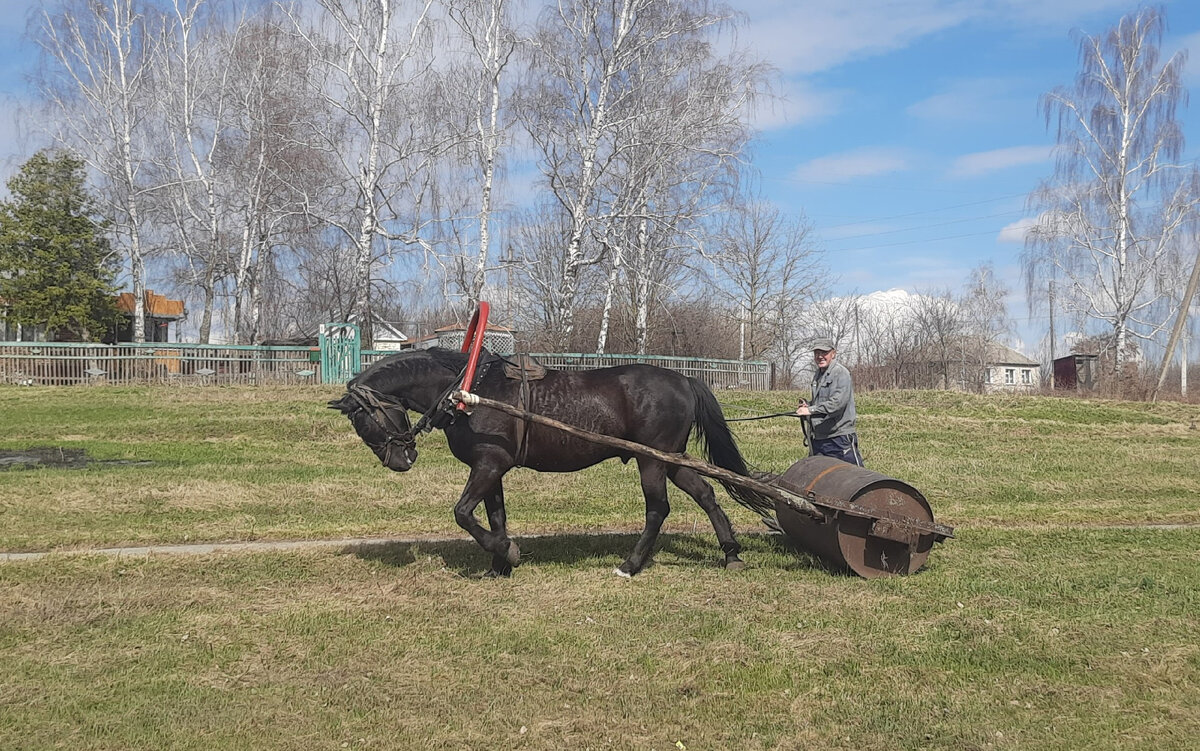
<point>341,404</point>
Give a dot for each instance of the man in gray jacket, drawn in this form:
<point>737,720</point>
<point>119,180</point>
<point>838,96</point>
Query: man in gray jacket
<point>832,407</point>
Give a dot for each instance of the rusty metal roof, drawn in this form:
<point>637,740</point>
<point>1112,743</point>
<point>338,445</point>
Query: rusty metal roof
<point>156,305</point>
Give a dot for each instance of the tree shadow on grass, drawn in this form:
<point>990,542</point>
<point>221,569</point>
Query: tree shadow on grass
<point>466,558</point>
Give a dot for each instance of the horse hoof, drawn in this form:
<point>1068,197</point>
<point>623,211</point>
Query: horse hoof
<point>513,556</point>
<point>622,574</point>
<point>736,564</point>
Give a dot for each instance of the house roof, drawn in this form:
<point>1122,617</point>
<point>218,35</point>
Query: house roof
<point>994,352</point>
<point>388,331</point>
<point>155,304</point>
<point>999,354</point>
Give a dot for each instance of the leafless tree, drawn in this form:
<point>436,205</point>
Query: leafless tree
<point>1181,302</point>
<point>486,27</point>
<point>273,169</point>
<point>371,65</point>
<point>96,80</point>
<point>584,88</point>
<point>939,329</point>
<point>676,150</point>
<point>1118,196</point>
<point>985,319</point>
<point>768,267</point>
<point>192,72</point>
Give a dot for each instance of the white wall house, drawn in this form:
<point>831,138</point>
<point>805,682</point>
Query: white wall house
<point>1009,370</point>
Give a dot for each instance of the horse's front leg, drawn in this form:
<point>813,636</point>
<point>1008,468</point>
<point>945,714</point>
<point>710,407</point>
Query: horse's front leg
<point>484,483</point>
<point>498,521</point>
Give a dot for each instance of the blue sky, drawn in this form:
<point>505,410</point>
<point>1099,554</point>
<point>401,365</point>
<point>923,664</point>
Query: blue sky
<point>908,132</point>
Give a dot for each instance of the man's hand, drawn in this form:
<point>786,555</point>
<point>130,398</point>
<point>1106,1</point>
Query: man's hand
<point>802,410</point>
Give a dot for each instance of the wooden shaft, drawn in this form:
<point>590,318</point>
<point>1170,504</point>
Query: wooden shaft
<point>682,460</point>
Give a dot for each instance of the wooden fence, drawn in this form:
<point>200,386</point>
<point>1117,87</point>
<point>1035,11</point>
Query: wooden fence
<point>718,374</point>
<point>67,364</point>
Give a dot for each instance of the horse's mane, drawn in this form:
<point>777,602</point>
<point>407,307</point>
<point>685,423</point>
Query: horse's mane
<point>413,365</point>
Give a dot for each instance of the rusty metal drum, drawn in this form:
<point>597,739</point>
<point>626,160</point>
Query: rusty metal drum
<point>873,525</point>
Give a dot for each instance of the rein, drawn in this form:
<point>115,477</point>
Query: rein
<point>805,424</point>
<point>761,417</point>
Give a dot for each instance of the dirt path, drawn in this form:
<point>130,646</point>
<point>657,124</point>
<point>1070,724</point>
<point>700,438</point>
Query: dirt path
<point>351,542</point>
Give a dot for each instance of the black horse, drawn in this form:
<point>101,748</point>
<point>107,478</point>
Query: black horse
<point>640,403</point>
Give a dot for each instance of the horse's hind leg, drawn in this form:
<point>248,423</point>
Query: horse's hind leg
<point>498,521</point>
<point>483,484</point>
<point>690,482</point>
<point>654,487</point>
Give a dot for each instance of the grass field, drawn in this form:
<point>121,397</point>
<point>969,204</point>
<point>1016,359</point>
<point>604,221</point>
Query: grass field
<point>1054,620</point>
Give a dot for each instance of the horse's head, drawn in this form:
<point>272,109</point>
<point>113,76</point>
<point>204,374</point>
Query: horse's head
<point>377,401</point>
<point>382,423</point>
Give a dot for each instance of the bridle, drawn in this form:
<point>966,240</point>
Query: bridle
<point>382,410</point>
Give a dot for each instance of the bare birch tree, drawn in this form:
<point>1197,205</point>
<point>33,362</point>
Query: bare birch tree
<point>1117,197</point>
<point>985,321</point>
<point>96,79</point>
<point>768,267</point>
<point>272,169</point>
<point>192,74</point>
<point>939,326</point>
<point>370,64</point>
<point>585,54</point>
<point>676,151</point>
<point>487,28</point>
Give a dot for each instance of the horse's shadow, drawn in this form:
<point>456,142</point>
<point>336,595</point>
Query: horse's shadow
<point>465,558</point>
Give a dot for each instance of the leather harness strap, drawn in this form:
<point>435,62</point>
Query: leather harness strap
<point>523,426</point>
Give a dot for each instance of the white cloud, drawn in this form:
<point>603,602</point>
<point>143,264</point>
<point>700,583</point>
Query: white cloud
<point>798,102</point>
<point>814,35</point>
<point>1015,232</point>
<point>972,101</point>
<point>851,165</point>
<point>986,162</point>
<point>808,36</point>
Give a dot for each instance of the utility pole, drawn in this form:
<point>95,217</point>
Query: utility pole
<point>1051,334</point>
<point>1177,331</point>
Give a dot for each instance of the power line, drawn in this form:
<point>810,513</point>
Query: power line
<point>925,226</point>
<point>925,211</point>
<point>915,242</point>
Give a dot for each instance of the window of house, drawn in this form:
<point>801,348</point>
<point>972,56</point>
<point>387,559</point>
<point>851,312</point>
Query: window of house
<point>1026,376</point>
<point>1010,375</point>
<point>987,376</point>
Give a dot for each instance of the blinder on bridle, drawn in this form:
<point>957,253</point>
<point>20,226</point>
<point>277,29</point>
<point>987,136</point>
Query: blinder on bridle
<point>389,415</point>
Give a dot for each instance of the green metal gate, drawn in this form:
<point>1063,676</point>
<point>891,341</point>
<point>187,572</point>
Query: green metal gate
<point>341,352</point>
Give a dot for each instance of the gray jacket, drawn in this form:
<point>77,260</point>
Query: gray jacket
<point>832,404</point>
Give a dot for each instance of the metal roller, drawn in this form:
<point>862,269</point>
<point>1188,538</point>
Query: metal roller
<point>874,525</point>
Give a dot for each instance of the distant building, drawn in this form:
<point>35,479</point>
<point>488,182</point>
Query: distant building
<point>160,312</point>
<point>1006,369</point>
<point>11,331</point>
<point>969,364</point>
<point>388,336</point>
<point>1076,371</point>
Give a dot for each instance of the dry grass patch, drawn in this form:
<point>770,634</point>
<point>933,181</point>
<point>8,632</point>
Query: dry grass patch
<point>1009,640</point>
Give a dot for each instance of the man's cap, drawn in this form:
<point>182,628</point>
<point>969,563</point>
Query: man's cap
<point>823,343</point>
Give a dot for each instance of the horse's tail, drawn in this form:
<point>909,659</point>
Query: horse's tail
<point>713,433</point>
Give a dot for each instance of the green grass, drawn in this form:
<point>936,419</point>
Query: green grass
<point>1047,640</point>
<point>273,463</point>
<point>1042,625</point>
